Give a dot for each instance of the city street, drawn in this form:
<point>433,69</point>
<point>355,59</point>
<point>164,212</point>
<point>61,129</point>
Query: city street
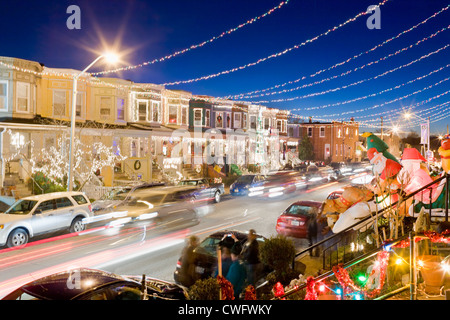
<point>141,248</point>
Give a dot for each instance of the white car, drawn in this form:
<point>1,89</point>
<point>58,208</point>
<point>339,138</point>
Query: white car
<point>41,214</point>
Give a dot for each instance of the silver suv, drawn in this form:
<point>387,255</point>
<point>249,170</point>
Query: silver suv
<point>45,213</point>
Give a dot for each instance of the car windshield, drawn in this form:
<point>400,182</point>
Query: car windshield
<point>245,179</point>
<point>188,183</point>
<point>302,210</point>
<point>22,207</point>
<point>116,195</point>
<point>210,245</point>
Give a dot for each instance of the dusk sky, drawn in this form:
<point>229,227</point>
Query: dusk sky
<point>408,69</point>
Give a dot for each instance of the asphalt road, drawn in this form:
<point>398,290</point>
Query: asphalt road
<point>143,248</point>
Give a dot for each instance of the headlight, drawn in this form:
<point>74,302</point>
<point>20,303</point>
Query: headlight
<point>277,189</point>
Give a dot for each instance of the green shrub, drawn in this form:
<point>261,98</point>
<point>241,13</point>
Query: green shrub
<point>205,289</point>
<point>278,253</point>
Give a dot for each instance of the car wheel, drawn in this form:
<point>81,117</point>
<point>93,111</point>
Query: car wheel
<point>77,225</point>
<point>217,197</point>
<point>18,237</point>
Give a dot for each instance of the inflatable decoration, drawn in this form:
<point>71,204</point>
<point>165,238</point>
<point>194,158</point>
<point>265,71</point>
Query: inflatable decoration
<point>391,178</point>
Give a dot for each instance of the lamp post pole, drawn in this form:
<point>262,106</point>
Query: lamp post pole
<point>72,124</point>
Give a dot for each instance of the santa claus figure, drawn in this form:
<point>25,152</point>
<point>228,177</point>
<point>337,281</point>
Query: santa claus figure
<point>382,166</point>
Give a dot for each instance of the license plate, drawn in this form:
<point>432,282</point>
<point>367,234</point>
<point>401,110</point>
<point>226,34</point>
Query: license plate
<point>295,223</point>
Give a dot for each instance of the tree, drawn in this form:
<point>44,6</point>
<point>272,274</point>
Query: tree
<point>306,149</point>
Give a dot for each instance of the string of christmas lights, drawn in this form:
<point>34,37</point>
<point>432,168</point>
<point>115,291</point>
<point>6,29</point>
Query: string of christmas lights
<point>195,46</point>
<point>349,85</point>
<point>238,96</point>
<point>275,55</point>
<point>370,95</point>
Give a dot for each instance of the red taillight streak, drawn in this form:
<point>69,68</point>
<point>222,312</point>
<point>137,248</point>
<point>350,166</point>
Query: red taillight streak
<point>321,187</point>
<point>96,258</point>
<point>59,248</point>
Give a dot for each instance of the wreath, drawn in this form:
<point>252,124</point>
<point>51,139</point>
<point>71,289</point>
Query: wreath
<point>137,165</point>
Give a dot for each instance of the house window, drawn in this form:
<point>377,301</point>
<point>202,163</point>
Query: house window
<point>322,132</point>
<point>279,125</point>
<point>120,109</point>
<point>244,121</point>
<point>237,120</point>
<point>290,131</point>
<point>184,116</point>
<point>156,111</point>
<point>207,118</point>
<point>105,107</point>
<point>23,97</point>
<point>3,95</point>
<point>142,110</point>
<point>79,104</point>
<point>197,117</point>
<point>173,114</point>
<point>310,131</point>
<point>253,122</point>
<point>219,120</point>
<point>339,133</point>
<point>267,123</point>
<point>59,103</point>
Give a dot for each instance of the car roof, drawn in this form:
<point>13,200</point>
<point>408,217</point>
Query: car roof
<point>54,287</point>
<point>52,195</point>
<point>309,203</point>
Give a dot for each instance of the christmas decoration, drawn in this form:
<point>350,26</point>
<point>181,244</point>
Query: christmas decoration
<point>239,96</point>
<point>226,288</point>
<point>275,55</point>
<point>375,281</point>
<point>195,46</point>
<point>278,290</point>
<point>311,293</point>
<point>250,293</point>
<point>444,152</point>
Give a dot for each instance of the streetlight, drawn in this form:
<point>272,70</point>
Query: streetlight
<point>111,58</point>
<point>408,115</point>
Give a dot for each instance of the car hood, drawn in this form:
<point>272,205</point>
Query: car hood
<point>103,204</point>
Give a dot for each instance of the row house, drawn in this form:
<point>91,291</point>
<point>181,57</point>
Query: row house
<point>332,141</point>
<point>141,120</point>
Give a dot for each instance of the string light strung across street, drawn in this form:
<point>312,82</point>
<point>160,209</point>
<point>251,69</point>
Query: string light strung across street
<point>344,86</point>
<point>248,94</point>
<point>272,56</point>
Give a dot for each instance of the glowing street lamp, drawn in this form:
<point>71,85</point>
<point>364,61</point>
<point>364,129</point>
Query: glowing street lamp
<point>110,58</point>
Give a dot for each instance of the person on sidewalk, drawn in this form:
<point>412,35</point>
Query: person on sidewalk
<point>187,270</point>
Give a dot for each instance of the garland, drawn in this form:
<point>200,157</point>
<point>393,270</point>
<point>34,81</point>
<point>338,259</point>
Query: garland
<point>278,290</point>
<point>226,288</point>
<point>311,293</point>
<point>379,270</point>
<point>250,293</point>
<point>434,237</point>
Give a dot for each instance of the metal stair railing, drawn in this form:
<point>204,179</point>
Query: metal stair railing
<point>367,220</point>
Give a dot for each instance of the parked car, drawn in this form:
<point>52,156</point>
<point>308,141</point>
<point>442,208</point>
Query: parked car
<point>43,214</point>
<point>91,284</point>
<point>205,190</point>
<point>294,220</point>
<point>165,204</point>
<point>206,254</point>
<point>335,194</point>
<point>118,195</point>
<point>279,184</point>
<point>242,185</point>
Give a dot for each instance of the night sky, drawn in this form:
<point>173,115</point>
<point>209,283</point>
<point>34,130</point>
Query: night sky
<point>145,30</point>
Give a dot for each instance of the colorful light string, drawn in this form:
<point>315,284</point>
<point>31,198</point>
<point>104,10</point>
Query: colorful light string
<point>195,46</point>
<point>275,55</point>
<point>238,96</point>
